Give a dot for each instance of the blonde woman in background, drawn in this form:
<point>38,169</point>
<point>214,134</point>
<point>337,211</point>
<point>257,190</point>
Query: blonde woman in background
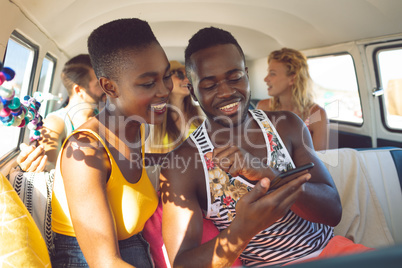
<point>288,81</point>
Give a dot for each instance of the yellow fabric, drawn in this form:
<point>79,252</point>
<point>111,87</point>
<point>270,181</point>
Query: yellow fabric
<point>21,243</point>
<point>166,141</point>
<point>132,204</point>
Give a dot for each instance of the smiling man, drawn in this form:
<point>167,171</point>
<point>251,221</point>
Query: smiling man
<point>232,157</point>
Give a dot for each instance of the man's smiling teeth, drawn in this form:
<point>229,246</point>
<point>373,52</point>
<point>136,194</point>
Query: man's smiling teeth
<point>159,106</point>
<point>226,107</point>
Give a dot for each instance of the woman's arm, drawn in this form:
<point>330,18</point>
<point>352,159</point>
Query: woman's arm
<point>319,128</point>
<point>85,167</point>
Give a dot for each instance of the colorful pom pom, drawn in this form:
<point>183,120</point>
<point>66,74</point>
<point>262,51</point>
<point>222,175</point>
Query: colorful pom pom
<point>16,112</point>
<point>8,73</point>
<point>5,112</point>
<point>2,78</point>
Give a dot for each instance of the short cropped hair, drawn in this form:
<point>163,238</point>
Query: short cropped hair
<point>76,71</point>
<point>108,43</point>
<point>208,37</point>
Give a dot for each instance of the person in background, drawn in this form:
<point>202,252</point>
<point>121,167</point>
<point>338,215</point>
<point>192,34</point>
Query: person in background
<point>288,81</point>
<point>102,195</point>
<point>182,116</point>
<point>85,99</point>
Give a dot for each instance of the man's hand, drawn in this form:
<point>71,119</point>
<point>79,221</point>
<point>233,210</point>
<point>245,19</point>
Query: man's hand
<point>237,161</point>
<point>257,210</point>
<point>32,158</point>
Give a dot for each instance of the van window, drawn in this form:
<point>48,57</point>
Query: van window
<point>390,76</point>
<point>335,87</point>
<point>20,56</point>
<point>45,80</point>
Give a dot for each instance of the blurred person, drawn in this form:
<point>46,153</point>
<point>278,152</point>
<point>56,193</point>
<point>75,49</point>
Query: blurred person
<point>85,98</point>
<point>182,116</point>
<point>393,95</point>
<point>288,81</point>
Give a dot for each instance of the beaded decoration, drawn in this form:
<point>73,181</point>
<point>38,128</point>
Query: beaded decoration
<point>17,113</point>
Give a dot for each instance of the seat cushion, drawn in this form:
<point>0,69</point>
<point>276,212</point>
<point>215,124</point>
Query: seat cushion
<point>363,219</point>
<point>21,240</point>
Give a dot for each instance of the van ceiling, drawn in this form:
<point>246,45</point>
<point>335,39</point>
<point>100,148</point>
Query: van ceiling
<point>260,26</point>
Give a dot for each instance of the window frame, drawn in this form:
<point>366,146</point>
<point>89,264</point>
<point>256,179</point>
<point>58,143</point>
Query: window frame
<point>381,98</point>
<point>341,53</point>
<point>22,40</point>
<point>54,60</point>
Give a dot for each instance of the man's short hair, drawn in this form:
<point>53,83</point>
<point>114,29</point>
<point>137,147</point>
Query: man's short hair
<point>108,44</point>
<point>208,37</point>
<point>76,71</point>
<point>80,59</point>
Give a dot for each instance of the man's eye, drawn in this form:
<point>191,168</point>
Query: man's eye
<point>235,79</point>
<point>168,76</point>
<point>209,87</point>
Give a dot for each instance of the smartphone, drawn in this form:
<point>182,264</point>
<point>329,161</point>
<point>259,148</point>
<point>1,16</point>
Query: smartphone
<point>289,175</point>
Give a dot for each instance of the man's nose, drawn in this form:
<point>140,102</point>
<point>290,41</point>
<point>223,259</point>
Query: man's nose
<point>224,89</point>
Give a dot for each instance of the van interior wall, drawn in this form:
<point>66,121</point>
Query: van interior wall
<point>258,70</point>
<point>20,21</point>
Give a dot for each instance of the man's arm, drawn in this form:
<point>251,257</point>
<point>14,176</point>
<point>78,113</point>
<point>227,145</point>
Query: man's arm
<point>182,217</point>
<point>320,200</point>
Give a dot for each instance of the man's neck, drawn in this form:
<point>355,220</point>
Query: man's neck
<point>221,135</point>
<point>79,112</point>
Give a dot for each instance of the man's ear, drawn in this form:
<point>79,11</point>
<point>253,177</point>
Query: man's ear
<point>109,87</point>
<point>79,91</point>
<point>191,89</point>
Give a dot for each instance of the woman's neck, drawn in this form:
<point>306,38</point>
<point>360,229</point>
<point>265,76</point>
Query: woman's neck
<point>286,102</point>
<point>117,127</point>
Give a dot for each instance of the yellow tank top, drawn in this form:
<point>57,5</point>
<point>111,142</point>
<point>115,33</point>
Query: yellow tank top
<point>132,204</point>
<point>166,142</point>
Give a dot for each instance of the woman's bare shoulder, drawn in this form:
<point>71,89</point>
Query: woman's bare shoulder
<point>264,104</point>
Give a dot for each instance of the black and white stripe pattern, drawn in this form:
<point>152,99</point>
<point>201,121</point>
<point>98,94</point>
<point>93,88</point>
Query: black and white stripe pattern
<point>35,191</point>
<point>289,239</point>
